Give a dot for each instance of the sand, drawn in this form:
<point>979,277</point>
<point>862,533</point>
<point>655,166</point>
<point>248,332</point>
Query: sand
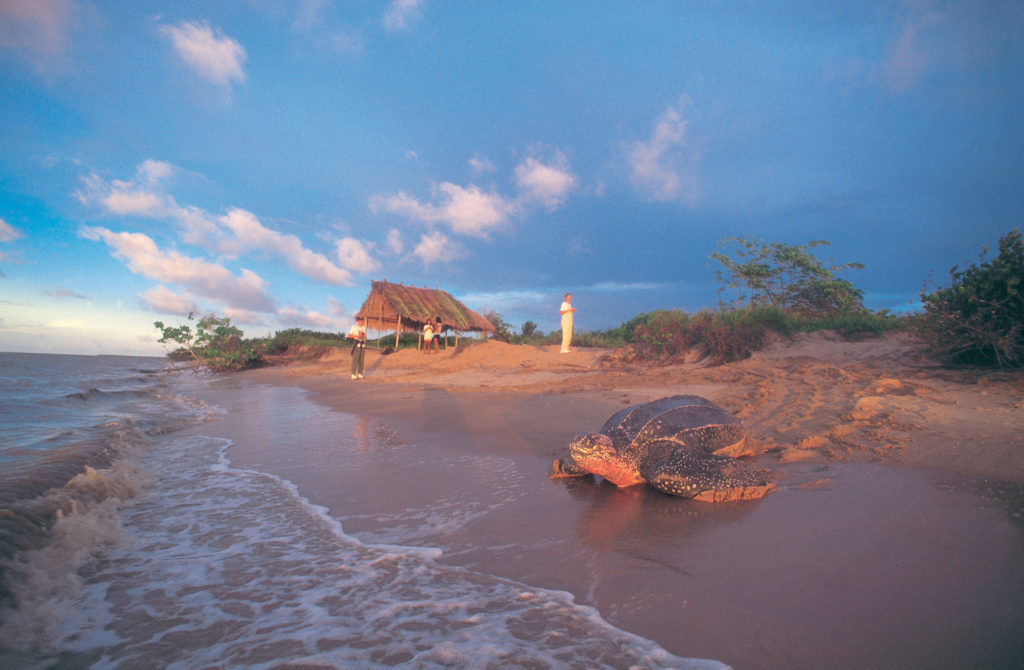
<point>894,538</point>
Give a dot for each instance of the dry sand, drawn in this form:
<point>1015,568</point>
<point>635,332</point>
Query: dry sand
<point>893,540</point>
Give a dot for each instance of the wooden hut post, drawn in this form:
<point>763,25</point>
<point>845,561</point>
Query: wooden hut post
<point>398,331</point>
<point>380,323</point>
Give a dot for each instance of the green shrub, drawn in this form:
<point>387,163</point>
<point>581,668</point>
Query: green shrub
<point>283,339</point>
<point>979,319</point>
<point>784,275</point>
<point>213,341</point>
<point>858,324</point>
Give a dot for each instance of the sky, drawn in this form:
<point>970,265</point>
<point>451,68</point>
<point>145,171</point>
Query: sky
<point>266,159</point>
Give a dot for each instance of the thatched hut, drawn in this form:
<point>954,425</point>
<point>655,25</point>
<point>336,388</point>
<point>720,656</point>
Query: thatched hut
<point>407,308</point>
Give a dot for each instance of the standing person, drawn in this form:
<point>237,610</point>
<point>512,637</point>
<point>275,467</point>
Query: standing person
<point>567,311</point>
<point>428,336</point>
<point>357,334</point>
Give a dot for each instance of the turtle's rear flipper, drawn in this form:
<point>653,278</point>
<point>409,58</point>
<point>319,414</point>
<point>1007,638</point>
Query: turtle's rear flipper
<point>562,468</point>
<point>694,474</point>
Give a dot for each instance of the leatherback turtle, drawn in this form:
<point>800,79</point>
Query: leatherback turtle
<point>681,445</point>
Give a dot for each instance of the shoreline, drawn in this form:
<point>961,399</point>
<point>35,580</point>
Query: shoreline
<point>816,399</point>
<point>900,495</point>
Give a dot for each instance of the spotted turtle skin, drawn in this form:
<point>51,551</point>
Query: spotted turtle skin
<point>674,444</point>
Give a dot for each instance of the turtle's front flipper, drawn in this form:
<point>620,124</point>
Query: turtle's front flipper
<point>691,473</point>
<point>562,468</point>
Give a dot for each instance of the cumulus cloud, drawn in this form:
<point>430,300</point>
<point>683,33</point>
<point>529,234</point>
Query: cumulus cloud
<point>211,54</point>
<point>246,316</point>
<point>38,28</point>
<point>481,165</point>
<point>547,184</point>
<point>163,299</point>
<point>466,210</point>
<point>355,256</point>
<point>251,234</point>
<point>143,197</point>
<point>400,14</point>
<point>135,197</point>
<point>144,257</point>
<point>231,234</point>
<point>395,243</point>
<point>664,167</point>
<point>473,211</point>
<point>436,247</point>
<point>291,317</point>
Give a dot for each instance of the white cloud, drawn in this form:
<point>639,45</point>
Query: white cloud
<point>143,257</point>
<point>291,317</point>
<point>662,167</point>
<point>128,202</point>
<point>232,234</point>
<point>250,233</point>
<point>401,13</point>
<point>435,247</point>
<point>39,27</point>
<point>137,197</point>
<point>395,243</point>
<point>163,299</point>
<point>152,171</point>
<point>9,233</point>
<point>466,210</point>
<point>244,316</point>
<point>547,184</point>
<point>141,197</point>
<point>474,212</point>
<point>211,55</point>
<point>355,256</point>
<point>481,165</point>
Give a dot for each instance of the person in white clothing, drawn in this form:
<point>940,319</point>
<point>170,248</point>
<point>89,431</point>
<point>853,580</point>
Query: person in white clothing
<point>358,336</point>
<point>428,337</point>
<point>567,311</point>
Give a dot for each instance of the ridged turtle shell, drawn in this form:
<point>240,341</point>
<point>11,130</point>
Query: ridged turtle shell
<point>686,420</point>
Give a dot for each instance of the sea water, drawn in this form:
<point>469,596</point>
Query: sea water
<point>128,542</point>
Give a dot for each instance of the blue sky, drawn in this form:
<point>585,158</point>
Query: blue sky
<point>267,159</point>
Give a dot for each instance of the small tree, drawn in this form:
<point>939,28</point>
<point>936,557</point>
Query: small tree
<point>785,276</point>
<point>979,319</point>
<point>502,329</point>
<point>529,329</point>
<point>213,342</point>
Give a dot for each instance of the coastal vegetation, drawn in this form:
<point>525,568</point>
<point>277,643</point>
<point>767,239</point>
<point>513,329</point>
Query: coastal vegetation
<point>767,290</point>
<point>979,318</point>
<point>212,341</point>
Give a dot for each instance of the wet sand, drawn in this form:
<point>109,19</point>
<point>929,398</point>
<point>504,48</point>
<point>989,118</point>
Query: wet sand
<point>895,538</point>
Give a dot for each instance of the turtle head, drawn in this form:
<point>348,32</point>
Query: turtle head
<point>596,453</point>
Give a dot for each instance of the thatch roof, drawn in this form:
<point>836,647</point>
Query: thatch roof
<point>391,304</point>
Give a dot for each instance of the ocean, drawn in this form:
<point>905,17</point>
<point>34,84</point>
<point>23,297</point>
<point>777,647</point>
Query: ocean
<point>129,540</point>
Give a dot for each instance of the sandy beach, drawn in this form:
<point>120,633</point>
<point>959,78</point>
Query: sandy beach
<point>893,540</point>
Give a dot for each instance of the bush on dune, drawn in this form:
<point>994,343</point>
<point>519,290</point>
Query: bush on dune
<point>979,319</point>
